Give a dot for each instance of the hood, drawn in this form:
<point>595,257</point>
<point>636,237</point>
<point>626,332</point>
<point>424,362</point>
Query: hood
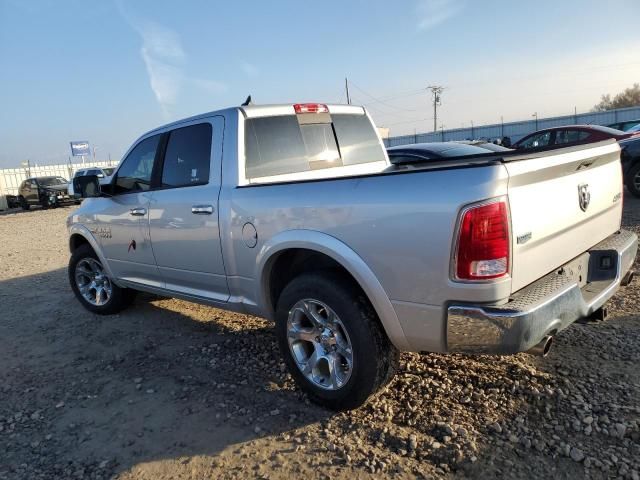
<point>57,188</point>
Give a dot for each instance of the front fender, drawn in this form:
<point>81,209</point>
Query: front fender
<point>345,256</point>
<point>78,229</point>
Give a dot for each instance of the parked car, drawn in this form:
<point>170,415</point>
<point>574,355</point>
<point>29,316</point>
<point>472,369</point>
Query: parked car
<point>569,135</point>
<point>103,175</point>
<point>419,152</point>
<point>294,213</point>
<point>625,126</point>
<point>44,191</point>
<point>630,157</point>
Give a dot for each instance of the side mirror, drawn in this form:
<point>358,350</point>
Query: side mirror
<point>87,186</point>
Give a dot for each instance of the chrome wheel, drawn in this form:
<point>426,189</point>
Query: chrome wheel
<point>92,282</point>
<point>319,344</point>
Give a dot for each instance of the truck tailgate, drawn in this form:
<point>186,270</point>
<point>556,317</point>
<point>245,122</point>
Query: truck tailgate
<point>562,203</point>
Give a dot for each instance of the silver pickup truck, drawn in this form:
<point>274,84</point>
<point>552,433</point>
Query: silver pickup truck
<point>294,213</point>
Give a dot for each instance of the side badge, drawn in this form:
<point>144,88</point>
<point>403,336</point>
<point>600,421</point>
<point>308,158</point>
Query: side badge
<point>524,238</point>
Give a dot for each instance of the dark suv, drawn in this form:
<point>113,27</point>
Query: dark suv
<point>44,191</point>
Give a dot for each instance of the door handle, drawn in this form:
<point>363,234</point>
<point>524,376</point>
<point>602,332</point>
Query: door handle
<point>202,209</point>
<point>138,212</point>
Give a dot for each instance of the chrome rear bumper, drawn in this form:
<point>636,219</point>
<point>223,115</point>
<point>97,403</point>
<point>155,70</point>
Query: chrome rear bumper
<point>543,308</point>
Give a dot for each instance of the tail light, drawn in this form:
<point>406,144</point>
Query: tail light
<point>482,251</point>
<point>310,108</point>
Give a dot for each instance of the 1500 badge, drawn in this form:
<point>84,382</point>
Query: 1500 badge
<point>102,232</point>
<point>617,197</point>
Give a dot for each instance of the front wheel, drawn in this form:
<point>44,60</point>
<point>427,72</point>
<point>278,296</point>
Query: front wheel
<point>633,180</point>
<point>92,286</point>
<point>332,341</point>
<point>24,204</point>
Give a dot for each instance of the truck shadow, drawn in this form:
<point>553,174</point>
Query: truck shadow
<point>170,381</point>
<point>146,384</point>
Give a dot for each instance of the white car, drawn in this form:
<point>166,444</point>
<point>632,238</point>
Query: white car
<point>103,174</point>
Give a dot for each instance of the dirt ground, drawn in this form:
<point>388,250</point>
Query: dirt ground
<point>170,389</point>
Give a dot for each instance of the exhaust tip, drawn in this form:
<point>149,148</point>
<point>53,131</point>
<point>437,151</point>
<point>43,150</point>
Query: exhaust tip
<point>627,278</point>
<point>543,348</point>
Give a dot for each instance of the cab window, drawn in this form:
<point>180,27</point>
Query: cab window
<point>134,174</point>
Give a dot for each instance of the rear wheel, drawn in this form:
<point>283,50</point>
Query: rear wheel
<point>92,286</point>
<point>332,341</point>
<point>633,180</point>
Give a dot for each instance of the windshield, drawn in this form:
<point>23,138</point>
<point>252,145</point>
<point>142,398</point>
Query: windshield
<point>635,128</point>
<point>51,181</point>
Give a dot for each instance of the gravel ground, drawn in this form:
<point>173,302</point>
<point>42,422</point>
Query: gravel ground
<point>170,389</point>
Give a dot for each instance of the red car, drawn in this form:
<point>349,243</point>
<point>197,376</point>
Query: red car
<point>569,135</point>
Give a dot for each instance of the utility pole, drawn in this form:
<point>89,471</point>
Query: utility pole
<point>535,114</point>
<point>346,87</point>
<point>436,90</point>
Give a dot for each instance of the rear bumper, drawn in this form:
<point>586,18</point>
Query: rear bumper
<point>545,307</point>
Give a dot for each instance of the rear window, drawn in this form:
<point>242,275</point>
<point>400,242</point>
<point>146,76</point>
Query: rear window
<point>282,144</point>
<point>607,130</point>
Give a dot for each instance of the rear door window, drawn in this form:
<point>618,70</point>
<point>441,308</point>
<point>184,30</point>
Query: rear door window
<point>283,144</point>
<point>570,136</point>
<point>188,156</point>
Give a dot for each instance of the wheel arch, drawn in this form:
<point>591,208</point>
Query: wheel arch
<point>80,235</point>
<point>326,252</point>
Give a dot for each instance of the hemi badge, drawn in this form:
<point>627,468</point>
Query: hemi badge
<point>524,238</point>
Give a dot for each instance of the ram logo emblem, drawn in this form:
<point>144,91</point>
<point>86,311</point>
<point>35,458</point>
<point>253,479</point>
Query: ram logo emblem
<point>584,196</point>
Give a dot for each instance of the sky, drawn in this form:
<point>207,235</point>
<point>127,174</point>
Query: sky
<point>106,71</point>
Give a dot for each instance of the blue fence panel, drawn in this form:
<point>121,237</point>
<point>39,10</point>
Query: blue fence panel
<point>624,114</point>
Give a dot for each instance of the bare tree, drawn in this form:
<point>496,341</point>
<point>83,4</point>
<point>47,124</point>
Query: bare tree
<point>629,98</point>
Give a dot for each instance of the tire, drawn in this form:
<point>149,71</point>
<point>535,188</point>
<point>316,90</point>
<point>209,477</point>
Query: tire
<point>633,180</point>
<point>24,204</point>
<point>374,359</point>
<point>84,259</point>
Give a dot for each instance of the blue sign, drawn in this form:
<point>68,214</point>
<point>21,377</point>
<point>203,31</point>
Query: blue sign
<point>80,149</point>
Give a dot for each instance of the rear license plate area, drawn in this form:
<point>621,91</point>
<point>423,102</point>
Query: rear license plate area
<point>577,269</point>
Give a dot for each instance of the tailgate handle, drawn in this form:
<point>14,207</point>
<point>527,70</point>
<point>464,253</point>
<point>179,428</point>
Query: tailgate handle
<point>138,212</point>
<point>202,209</point>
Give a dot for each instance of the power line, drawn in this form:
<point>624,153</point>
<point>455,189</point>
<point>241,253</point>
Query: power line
<point>377,100</point>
